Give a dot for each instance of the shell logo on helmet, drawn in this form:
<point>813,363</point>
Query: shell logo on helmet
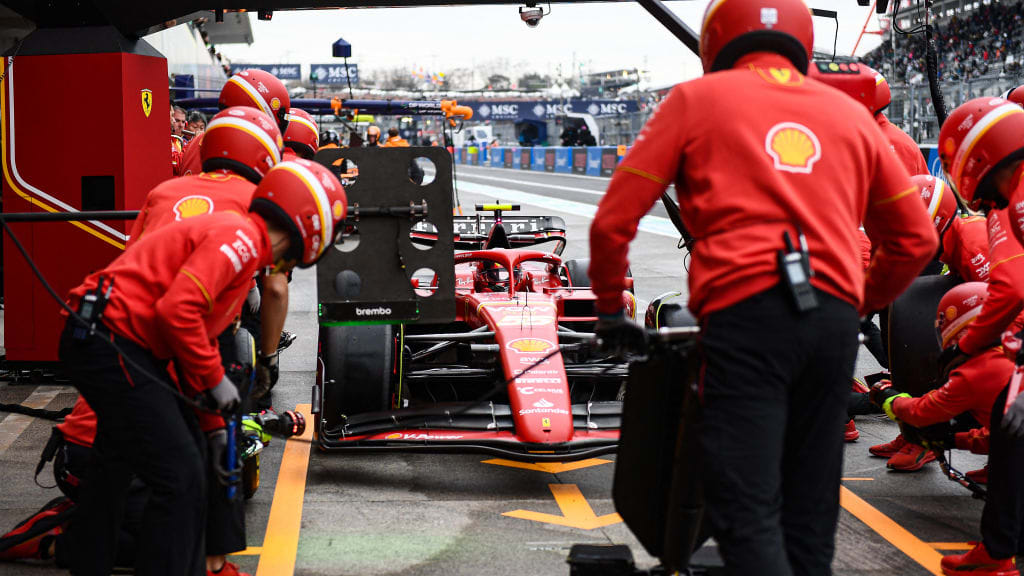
<point>793,147</point>
<point>190,206</point>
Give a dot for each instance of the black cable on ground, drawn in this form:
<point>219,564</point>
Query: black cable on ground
<point>55,415</point>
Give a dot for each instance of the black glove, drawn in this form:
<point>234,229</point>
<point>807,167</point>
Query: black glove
<point>1013,420</point>
<point>267,373</point>
<point>619,335</point>
<point>938,437</point>
<point>950,359</point>
<point>217,441</point>
<point>225,395</point>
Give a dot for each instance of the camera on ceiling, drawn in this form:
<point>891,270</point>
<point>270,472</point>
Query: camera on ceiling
<point>531,14</point>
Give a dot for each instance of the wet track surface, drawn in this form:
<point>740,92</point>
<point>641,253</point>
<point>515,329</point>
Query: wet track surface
<point>448,514</point>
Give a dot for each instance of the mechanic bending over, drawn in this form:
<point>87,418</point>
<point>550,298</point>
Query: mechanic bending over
<point>970,388</point>
<point>776,280</point>
<point>981,146</point>
<point>167,298</point>
<point>238,149</point>
<point>241,147</point>
<point>261,90</point>
<point>43,535</point>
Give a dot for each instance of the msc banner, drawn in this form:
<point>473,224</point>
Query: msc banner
<point>334,73</point>
<point>282,71</point>
<point>518,110</point>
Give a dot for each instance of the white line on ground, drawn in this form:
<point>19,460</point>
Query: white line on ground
<point>14,424</point>
<point>537,184</point>
<point>649,224</point>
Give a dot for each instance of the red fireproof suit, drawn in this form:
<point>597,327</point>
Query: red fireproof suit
<point>175,200</point>
<point>738,205</point>
<point>179,287</point>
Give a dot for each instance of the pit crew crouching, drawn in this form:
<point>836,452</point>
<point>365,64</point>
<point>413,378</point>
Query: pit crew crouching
<point>981,146</point>
<point>975,387</point>
<point>964,249</point>
<point>167,298</point>
<point>969,388</point>
<point>778,344</point>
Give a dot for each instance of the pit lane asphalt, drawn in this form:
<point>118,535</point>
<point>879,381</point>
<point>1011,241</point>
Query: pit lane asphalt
<point>429,514</point>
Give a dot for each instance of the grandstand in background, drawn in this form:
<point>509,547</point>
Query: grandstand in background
<point>980,48</point>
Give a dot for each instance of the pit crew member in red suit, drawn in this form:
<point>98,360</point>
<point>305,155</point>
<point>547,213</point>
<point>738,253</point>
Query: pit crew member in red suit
<point>262,90</point>
<point>971,387</point>
<point>775,380</point>
<point>256,88</point>
<point>902,144</point>
<point>173,292</point>
<point>981,146</point>
<point>963,243</point>
<point>302,137</point>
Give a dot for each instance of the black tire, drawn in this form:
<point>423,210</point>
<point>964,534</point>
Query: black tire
<point>357,370</point>
<point>577,270</point>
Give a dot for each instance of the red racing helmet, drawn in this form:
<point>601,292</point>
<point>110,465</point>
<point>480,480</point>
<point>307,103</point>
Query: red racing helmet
<point>243,140</point>
<point>883,95</point>
<point>307,201</point>
<point>957,310</point>
<point>976,138</point>
<point>732,28</point>
<point>302,135</point>
<point>938,198</point>
<point>855,80</point>
<point>258,89</point>
<point>1015,95</point>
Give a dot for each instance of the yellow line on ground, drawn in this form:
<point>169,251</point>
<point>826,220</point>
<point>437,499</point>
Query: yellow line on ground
<point>857,479</point>
<point>895,534</point>
<point>549,467</point>
<point>13,425</point>
<point>951,545</point>
<point>281,542</point>
<point>250,551</point>
<point>576,511</point>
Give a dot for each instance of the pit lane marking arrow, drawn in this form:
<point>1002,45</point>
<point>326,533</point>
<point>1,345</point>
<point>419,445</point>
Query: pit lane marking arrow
<point>576,512</point>
<point>549,467</point>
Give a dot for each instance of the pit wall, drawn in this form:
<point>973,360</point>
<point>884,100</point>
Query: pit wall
<point>588,160</point>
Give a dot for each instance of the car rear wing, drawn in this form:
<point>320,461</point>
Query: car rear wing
<point>523,231</point>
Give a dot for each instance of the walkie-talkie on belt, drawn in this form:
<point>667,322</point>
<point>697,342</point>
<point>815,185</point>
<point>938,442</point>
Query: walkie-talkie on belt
<point>90,309</point>
<point>795,266</point>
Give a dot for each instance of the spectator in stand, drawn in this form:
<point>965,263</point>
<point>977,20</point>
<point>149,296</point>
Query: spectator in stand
<point>968,44</point>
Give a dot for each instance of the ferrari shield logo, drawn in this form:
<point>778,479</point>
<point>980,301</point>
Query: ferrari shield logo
<point>147,101</point>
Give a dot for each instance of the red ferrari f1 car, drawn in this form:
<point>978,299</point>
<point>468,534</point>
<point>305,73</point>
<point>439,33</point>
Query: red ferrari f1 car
<point>516,374</point>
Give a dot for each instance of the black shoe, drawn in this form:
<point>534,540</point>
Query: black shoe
<point>287,339</point>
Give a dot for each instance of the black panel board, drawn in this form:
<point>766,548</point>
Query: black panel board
<point>385,258</point>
